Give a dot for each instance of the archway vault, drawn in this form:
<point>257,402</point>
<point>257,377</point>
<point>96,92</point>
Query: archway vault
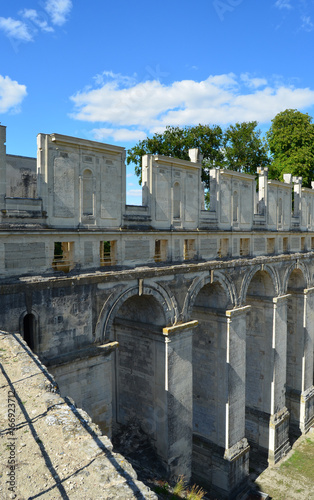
<point>296,266</point>
<point>111,306</point>
<point>273,273</point>
<point>204,279</point>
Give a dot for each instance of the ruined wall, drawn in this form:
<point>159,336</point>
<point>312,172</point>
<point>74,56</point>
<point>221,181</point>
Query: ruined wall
<point>60,448</point>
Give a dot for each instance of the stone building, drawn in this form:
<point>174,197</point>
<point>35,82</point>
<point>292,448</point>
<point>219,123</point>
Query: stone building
<point>197,324</point>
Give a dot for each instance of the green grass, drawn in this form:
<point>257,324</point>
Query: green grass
<point>195,493</point>
<point>301,462</point>
<point>179,490</point>
<point>179,486</point>
<point>294,474</point>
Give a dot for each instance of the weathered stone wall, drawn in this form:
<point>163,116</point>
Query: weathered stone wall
<point>184,320</point>
<point>49,447</point>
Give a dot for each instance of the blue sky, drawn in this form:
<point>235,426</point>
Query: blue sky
<point>119,71</point>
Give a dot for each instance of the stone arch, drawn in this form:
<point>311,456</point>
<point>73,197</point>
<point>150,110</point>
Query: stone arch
<point>303,269</point>
<point>117,298</point>
<point>271,271</point>
<point>29,329</point>
<point>200,282</point>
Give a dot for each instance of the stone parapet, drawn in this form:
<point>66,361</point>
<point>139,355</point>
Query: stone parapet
<point>54,448</point>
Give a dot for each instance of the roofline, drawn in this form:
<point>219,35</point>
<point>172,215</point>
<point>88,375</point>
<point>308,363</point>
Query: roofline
<point>85,143</point>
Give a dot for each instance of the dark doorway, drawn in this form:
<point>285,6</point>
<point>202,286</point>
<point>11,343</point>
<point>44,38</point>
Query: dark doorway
<point>29,330</point>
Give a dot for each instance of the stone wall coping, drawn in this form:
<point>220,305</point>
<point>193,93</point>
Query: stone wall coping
<point>238,175</point>
<point>175,162</point>
<point>280,184</point>
<point>170,330</point>
<point>89,352</point>
<point>238,311</point>
<point>281,298</point>
<point>85,143</point>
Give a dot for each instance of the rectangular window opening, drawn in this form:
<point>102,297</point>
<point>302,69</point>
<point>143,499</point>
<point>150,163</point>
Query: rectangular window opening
<point>108,253</point>
<point>63,258</point>
<point>303,244</point>
<point>244,246</point>
<point>224,248</point>
<point>189,250</point>
<point>285,245</point>
<point>271,245</point>
<point>161,249</point>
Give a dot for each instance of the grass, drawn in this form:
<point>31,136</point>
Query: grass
<point>195,493</point>
<point>294,474</point>
<point>179,490</point>
<point>301,462</point>
<point>179,486</point>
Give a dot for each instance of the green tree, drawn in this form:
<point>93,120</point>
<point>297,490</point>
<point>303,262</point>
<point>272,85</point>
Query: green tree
<point>291,143</point>
<point>244,150</point>
<point>176,142</point>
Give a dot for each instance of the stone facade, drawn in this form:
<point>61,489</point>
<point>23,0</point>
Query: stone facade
<point>197,324</point>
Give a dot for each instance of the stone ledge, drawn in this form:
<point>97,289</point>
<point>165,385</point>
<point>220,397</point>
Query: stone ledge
<point>57,451</point>
<point>88,352</point>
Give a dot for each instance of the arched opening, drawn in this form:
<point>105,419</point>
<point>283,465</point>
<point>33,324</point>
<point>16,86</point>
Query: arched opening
<point>295,348</point>
<point>88,195</point>
<point>176,201</point>
<point>210,381</point>
<point>259,373</point>
<point>29,331</point>
<point>138,408</point>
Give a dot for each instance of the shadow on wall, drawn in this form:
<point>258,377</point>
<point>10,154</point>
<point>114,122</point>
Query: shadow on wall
<point>43,451</point>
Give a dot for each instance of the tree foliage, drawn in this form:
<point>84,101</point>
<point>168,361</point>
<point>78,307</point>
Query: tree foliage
<point>291,143</point>
<point>238,148</point>
<point>289,147</point>
<point>176,142</point>
<point>244,150</point>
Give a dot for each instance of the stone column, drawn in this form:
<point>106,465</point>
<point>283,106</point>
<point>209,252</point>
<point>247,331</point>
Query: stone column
<point>173,399</point>
<point>236,446</point>
<point>307,395</point>
<point>279,415</point>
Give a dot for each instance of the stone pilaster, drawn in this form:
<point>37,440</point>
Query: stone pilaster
<point>279,418</point>
<point>307,395</point>
<point>236,446</point>
<point>174,399</point>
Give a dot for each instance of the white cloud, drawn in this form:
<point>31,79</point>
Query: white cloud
<point>307,24</point>
<point>15,29</point>
<point>283,4</point>
<point>134,192</point>
<point>119,135</point>
<point>58,10</point>
<point>132,112</point>
<point>253,82</point>
<point>105,76</point>
<point>11,94</point>
<point>33,16</point>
